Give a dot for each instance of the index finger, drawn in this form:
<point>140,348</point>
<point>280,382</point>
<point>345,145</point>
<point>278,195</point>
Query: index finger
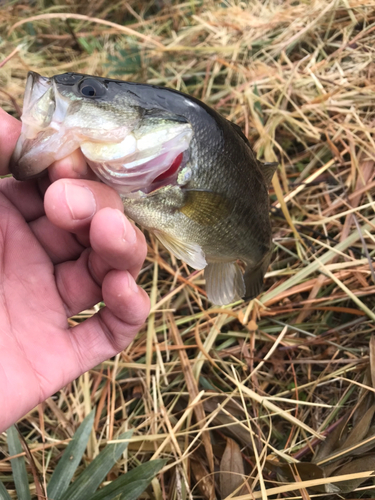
<point>73,166</point>
<point>10,129</point>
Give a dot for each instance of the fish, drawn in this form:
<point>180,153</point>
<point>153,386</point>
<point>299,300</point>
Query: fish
<point>183,171</point>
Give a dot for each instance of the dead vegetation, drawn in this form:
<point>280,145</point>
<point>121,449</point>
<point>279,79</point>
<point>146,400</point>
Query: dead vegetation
<point>238,399</point>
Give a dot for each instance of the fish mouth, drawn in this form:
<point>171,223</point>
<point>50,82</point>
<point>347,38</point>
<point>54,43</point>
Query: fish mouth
<point>41,139</point>
<point>123,158</point>
<point>36,87</point>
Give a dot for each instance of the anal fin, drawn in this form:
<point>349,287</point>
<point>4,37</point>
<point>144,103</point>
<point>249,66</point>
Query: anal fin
<point>224,282</point>
<point>191,253</point>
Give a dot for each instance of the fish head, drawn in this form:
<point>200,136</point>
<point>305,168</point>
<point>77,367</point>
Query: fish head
<point>132,143</point>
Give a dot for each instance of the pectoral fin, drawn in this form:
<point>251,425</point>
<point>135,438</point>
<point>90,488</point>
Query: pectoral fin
<point>205,207</point>
<point>191,253</point>
<point>254,277</point>
<point>224,282</point>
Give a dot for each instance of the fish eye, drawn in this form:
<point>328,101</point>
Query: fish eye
<point>91,88</point>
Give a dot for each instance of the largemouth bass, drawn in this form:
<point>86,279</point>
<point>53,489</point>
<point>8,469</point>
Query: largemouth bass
<point>183,171</point>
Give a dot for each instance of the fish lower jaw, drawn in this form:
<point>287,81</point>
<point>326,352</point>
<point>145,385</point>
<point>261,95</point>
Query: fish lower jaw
<point>133,165</point>
<point>147,190</point>
<point>139,180</point>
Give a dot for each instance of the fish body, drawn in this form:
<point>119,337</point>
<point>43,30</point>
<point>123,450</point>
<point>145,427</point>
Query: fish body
<point>183,171</point>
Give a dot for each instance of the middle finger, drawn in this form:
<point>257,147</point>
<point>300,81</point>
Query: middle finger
<point>116,243</point>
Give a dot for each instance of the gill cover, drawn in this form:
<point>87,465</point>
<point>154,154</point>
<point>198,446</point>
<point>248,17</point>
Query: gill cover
<point>127,144</point>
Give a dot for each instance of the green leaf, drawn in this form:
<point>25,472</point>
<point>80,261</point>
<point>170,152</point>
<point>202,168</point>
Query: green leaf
<point>4,495</point>
<point>132,492</point>
<point>132,484</point>
<point>257,104</point>
<point>18,465</point>
<point>90,44</point>
<point>70,460</point>
<point>125,61</point>
<point>87,483</point>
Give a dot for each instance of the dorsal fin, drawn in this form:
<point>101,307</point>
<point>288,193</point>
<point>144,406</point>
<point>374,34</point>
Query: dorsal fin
<point>268,169</point>
<point>239,132</point>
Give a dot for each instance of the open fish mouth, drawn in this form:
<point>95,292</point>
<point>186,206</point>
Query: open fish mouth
<point>133,148</point>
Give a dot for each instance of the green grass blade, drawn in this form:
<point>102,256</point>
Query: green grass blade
<point>18,465</point>
<point>70,460</point>
<point>133,491</point>
<point>134,482</point>
<point>87,483</point>
<point>4,495</point>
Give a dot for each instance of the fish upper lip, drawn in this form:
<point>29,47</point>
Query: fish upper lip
<point>36,86</point>
<point>38,115</point>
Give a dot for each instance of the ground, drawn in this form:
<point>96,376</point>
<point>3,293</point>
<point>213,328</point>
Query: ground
<point>231,396</point>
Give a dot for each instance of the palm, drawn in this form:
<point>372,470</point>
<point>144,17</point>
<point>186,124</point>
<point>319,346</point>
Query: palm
<point>31,310</point>
<point>48,274</point>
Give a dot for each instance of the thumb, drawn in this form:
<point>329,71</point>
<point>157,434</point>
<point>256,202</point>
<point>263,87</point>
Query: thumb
<point>10,129</point>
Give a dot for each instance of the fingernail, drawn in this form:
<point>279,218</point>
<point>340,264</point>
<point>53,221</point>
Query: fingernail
<point>129,235</point>
<point>80,200</point>
<point>77,165</point>
<point>132,284</point>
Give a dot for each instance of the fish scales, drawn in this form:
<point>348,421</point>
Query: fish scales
<point>183,171</point>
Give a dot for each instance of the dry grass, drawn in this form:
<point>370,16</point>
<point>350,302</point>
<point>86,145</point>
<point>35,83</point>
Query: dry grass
<point>278,373</point>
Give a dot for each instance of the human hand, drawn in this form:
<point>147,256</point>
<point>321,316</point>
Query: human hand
<point>57,258</point>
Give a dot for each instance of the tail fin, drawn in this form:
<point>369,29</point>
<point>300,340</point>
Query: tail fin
<point>224,282</point>
<point>254,277</point>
